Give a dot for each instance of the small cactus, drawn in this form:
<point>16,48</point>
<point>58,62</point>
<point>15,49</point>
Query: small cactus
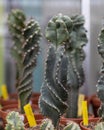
<point>25,49</point>
<point>46,125</point>
<point>14,121</point>
<point>72,126</point>
<point>99,126</point>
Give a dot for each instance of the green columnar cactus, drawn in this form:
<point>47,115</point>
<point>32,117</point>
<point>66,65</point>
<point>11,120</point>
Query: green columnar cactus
<point>100,84</point>
<point>53,97</point>
<point>63,67</point>
<point>14,121</point>
<point>25,49</point>
<point>76,56</point>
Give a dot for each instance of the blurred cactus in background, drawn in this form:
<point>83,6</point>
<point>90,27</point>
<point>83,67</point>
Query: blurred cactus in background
<point>26,37</point>
<point>100,83</point>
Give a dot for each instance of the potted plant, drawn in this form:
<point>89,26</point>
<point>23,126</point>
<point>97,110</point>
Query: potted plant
<point>69,39</point>
<point>53,98</point>
<point>26,37</point>
<point>99,122</point>
<point>18,124</point>
<point>14,121</point>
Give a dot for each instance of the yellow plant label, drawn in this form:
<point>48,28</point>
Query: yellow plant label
<point>80,99</point>
<point>18,103</point>
<point>30,115</point>
<point>4,92</point>
<point>85,113</point>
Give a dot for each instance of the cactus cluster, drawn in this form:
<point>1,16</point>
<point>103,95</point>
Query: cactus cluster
<point>26,37</point>
<point>63,71</point>
<point>100,83</point>
<point>14,121</point>
<point>47,125</point>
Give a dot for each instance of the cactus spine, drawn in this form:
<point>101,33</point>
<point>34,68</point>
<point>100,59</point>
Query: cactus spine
<point>25,49</point>
<point>14,121</point>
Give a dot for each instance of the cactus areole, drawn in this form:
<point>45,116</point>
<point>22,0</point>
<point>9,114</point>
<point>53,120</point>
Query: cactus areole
<point>26,37</point>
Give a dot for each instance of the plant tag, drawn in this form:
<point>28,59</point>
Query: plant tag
<point>4,92</point>
<point>30,115</point>
<point>85,113</point>
<point>18,103</point>
<point>80,99</point>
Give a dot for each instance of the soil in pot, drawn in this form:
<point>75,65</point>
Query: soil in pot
<point>91,125</point>
<point>13,99</point>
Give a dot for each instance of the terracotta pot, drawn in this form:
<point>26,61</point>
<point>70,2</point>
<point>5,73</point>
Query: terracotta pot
<point>77,120</point>
<point>62,122</point>
<point>95,102</point>
<point>5,110</point>
<point>91,120</point>
<point>13,99</point>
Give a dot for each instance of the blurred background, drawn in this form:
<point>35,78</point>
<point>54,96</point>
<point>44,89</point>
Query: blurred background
<point>42,11</point>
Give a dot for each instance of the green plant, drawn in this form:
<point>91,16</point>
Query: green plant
<point>72,126</point>
<point>100,84</point>
<point>46,125</point>
<point>53,97</point>
<point>26,37</point>
<point>64,72</point>
<point>14,121</point>
<point>76,55</point>
<point>99,126</point>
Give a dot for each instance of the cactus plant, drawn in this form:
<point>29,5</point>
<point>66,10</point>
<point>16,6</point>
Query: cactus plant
<point>100,84</point>
<point>72,126</point>
<point>76,56</point>
<point>99,126</point>
<point>26,36</point>
<point>46,125</point>
<point>14,121</point>
<point>53,97</point>
<point>64,72</point>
